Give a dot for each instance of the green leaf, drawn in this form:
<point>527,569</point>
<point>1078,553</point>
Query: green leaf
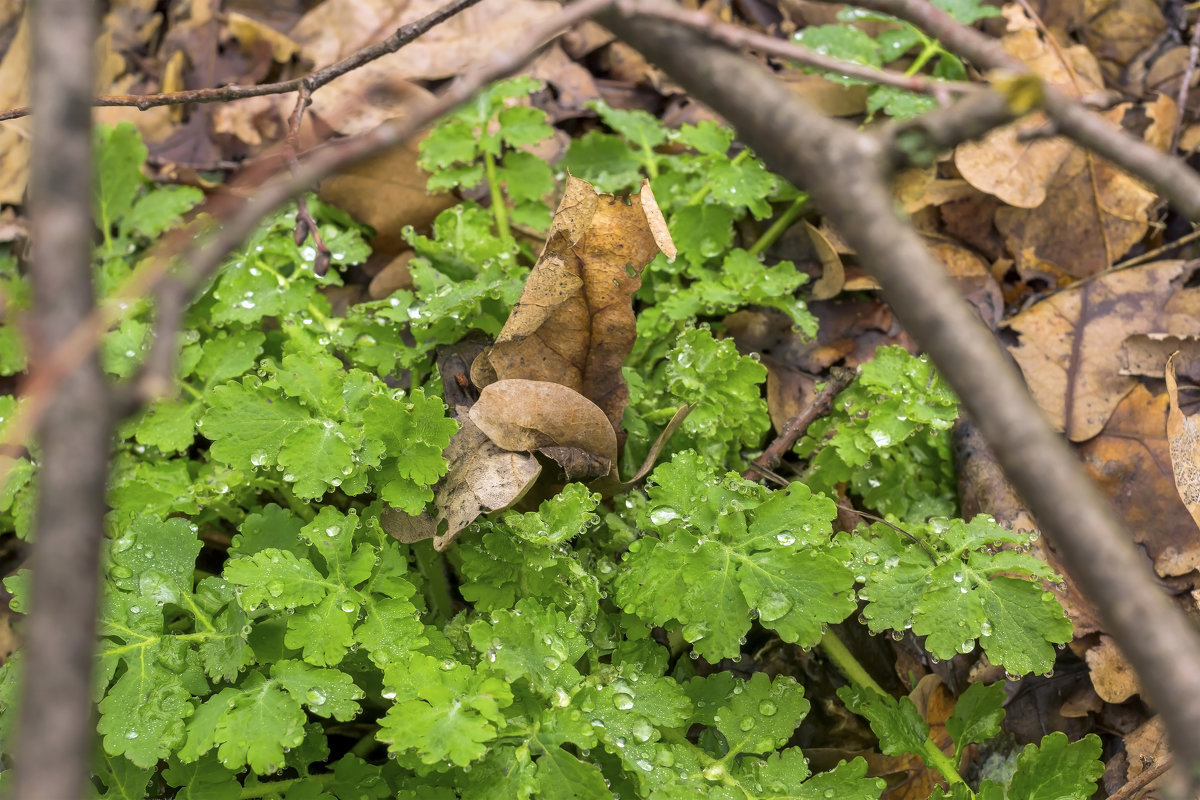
<point>641,129</point>
<point>763,716</point>
<point>531,642</point>
<point>204,779</point>
<point>713,560</point>
<point>247,426</point>
<point>258,723</point>
<point>324,692</point>
<point>977,715</point>
<point>160,209</point>
<point>897,723</point>
<point>967,11</point>
<point>523,125</point>
<point>843,42</point>
<point>142,715</point>
<point>605,161</point>
<point>954,590</point>
<point>414,427</point>
<point>119,158</point>
<point>565,777</point>
<point>442,711</point>
<point>1058,769</point>
<point>562,517</point>
<point>276,578</point>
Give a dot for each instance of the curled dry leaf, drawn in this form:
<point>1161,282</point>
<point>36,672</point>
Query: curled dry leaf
<point>1070,348</point>
<point>1184,438</point>
<point>574,324</point>
<point>521,415</point>
<point>482,478</point>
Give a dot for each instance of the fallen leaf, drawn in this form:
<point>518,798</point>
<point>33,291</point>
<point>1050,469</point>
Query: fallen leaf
<point>1118,30</point>
<point>1112,675</point>
<point>1003,163</point>
<point>523,415</point>
<point>14,135</point>
<point>387,191</point>
<point>1184,439</point>
<point>1131,461</point>
<point>1070,345</point>
<point>1146,354</point>
<point>1092,213</point>
<point>482,478</point>
<point>574,324</point>
<point>336,28</point>
<point>833,273</point>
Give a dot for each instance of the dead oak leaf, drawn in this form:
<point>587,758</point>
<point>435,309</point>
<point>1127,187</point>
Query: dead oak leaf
<point>574,324</point>
<point>1070,347</point>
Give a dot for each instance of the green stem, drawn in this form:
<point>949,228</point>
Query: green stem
<point>846,663</point>
<point>437,589</point>
<point>931,49</point>
<point>704,190</point>
<point>649,159</point>
<point>499,210</point>
<point>781,224</point>
<point>363,747</point>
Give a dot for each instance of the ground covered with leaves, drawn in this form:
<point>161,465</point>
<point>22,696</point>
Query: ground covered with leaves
<point>511,501</point>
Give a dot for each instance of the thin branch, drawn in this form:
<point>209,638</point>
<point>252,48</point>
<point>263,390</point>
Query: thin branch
<point>1174,179</point>
<point>55,741</point>
<point>1185,86</point>
<point>795,427</point>
<point>313,80</point>
<point>846,173</point>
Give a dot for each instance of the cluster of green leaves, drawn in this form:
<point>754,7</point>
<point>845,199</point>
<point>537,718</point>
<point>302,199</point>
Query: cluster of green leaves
<point>888,439</point>
<point>261,636</point>
<point>897,40</point>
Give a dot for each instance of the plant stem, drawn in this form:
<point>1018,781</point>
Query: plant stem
<point>437,589</point>
<point>295,504</point>
<point>781,224</point>
<point>499,210</point>
<point>281,787</point>
<point>846,663</point>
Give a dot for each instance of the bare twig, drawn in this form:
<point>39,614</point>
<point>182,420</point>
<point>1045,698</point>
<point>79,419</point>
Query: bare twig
<point>54,743</point>
<point>312,81</point>
<point>305,224</point>
<point>1186,85</point>
<point>795,427</point>
<point>1179,184</point>
<point>845,172</point>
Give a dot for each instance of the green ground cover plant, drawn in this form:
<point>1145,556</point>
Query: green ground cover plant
<point>262,635</point>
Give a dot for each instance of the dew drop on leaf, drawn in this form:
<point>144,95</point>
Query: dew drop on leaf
<point>773,606</point>
<point>623,701</point>
<point>767,708</point>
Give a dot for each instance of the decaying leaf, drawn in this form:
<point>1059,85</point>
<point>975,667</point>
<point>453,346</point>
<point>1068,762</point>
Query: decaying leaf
<point>482,478</point>
<point>1070,348</point>
<point>1131,461</point>
<point>521,415</point>
<point>1146,354</point>
<point>574,324</point>
<point>14,136</point>
<point>1112,675</point>
<point>1184,439</point>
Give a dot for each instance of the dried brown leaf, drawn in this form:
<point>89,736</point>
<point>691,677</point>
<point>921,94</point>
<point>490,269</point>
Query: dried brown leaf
<point>574,324</point>
<point>1070,348</point>
<point>482,478</point>
<point>522,415</point>
<point>1112,675</point>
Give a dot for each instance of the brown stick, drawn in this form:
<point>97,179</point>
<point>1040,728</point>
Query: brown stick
<point>845,173</point>
<point>795,427</point>
<point>54,743</point>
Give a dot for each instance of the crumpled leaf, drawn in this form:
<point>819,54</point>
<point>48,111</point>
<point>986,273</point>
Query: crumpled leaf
<point>574,324</point>
<point>1070,349</point>
<point>538,415</point>
<point>482,478</point>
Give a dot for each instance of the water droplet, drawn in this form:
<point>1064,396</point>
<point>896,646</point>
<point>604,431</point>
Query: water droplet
<point>663,514</point>
<point>767,708</point>
<point>623,701</point>
<point>786,539</point>
<point>275,588</point>
<point>315,697</point>
<point>746,724</point>
<point>773,606</point>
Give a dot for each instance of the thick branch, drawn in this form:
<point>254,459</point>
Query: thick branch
<point>845,173</point>
<point>55,740</point>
